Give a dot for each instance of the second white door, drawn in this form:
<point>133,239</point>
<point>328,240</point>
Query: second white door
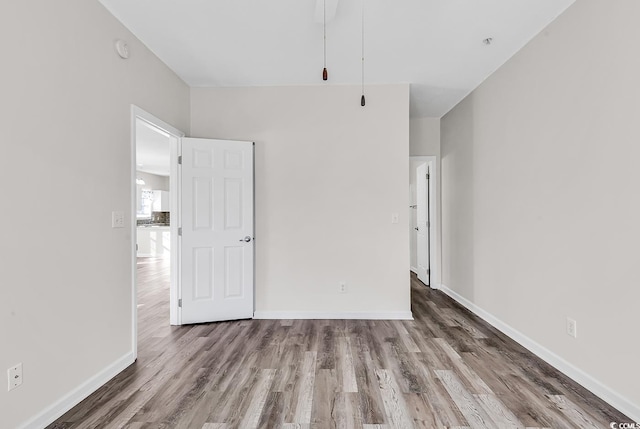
<point>216,245</point>
<point>422,215</point>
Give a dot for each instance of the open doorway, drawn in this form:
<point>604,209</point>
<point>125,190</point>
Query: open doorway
<point>153,221</point>
<point>154,152</point>
<point>423,218</point>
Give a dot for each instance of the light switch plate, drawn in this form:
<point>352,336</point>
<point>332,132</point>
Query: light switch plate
<point>117,219</point>
<point>394,217</point>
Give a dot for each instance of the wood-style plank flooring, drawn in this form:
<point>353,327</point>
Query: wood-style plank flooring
<point>445,369</point>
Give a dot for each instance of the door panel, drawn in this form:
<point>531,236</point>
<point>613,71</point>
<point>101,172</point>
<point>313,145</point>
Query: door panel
<point>216,269</point>
<point>202,203</point>
<point>202,273</point>
<point>233,204</point>
<point>234,269</point>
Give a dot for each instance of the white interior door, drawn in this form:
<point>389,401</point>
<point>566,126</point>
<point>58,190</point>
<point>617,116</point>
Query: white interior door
<point>422,215</point>
<point>216,245</point>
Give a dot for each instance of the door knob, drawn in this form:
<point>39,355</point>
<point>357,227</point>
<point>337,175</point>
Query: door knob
<point>246,239</point>
<point>416,228</point>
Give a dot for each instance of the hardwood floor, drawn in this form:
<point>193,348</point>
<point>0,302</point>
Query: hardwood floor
<point>445,369</point>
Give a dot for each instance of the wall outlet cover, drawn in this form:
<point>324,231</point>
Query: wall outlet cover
<point>117,219</point>
<point>14,376</point>
<point>572,327</point>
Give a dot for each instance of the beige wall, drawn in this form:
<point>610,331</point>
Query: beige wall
<point>540,192</point>
<point>424,137</point>
<point>329,174</point>
<point>65,294</point>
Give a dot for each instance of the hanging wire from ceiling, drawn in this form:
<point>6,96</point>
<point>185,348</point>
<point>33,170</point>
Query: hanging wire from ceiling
<point>362,100</point>
<point>325,74</point>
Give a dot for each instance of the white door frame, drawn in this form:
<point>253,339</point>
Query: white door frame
<point>176,135</point>
<point>434,219</point>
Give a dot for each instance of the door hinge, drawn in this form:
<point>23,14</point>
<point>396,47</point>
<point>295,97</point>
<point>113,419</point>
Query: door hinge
<point>427,176</point>
<point>180,302</point>
<point>180,159</point>
<point>428,271</point>
<point>428,224</point>
<point>180,231</point>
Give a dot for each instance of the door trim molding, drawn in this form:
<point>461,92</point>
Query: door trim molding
<point>176,134</point>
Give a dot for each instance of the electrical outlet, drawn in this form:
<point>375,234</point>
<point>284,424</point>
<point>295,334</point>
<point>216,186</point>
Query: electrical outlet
<point>343,287</point>
<point>14,376</point>
<point>572,327</point>
<point>117,219</point>
<point>394,217</point>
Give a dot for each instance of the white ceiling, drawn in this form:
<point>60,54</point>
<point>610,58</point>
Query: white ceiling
<point>436,45</point>
<point>152,149</point>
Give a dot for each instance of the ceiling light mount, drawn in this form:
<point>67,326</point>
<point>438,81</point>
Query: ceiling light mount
<point>362,100</point>
<point>325,74</point>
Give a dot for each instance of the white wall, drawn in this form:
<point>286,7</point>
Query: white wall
<point>329,174</point>
<point>65,299</point>
<point>424,138</point>
<point>540,193</point>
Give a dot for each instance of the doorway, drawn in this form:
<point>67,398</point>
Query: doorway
<point>423,219</point>
<point>210,223</point>
<point>154,203</point>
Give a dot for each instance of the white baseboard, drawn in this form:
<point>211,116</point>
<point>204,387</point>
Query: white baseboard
<point>605,393</point>
<point>414,270</point>
<point>73,398</point>
<point>288,315</point>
